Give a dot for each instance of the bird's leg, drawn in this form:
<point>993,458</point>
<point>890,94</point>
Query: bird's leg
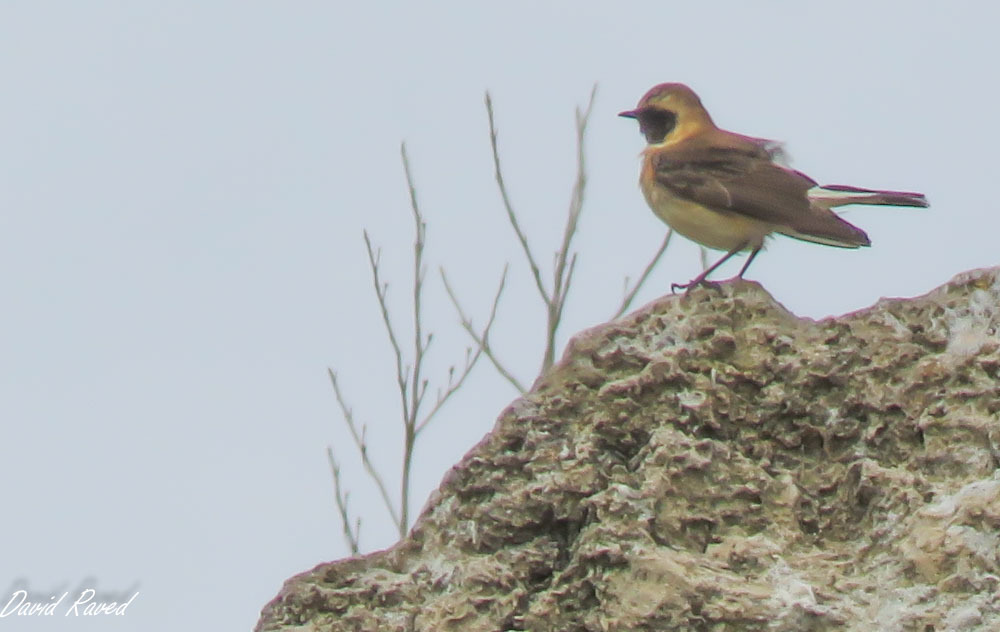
<point>701,278</point>
<point>749,261</point>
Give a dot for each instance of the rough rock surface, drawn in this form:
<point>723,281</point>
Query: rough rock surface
<point>713,462</point>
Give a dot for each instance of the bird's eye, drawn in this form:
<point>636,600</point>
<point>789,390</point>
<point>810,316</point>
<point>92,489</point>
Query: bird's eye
<point>656,124</point>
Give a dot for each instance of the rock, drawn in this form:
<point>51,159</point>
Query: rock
<point>712,462</point>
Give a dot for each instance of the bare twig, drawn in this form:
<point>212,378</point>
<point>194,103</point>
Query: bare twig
<point>410,382</point>
<point>562,303</point>
<point>359,442</point>
<point>576,198</point>
<point>563,267</point>
<point>470,361</point>
<point>419,344</point>
<point>402,372</point>
<point>561,275</point>
<point>630,294</point>
<point>351,535</point>
<point>482,339</point>
<point>417,387</point>
<point>535,271</point>
<point>416,411</point>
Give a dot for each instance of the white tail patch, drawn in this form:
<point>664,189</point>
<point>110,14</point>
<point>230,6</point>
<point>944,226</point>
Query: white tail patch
<point>836,195</point>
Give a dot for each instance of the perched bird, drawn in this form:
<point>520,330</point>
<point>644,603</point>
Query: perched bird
<point>728,191</point>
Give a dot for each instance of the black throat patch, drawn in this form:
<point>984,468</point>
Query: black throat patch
<point>655,124</point>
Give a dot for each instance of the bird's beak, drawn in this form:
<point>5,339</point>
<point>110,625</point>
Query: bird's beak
<point>629,114</point>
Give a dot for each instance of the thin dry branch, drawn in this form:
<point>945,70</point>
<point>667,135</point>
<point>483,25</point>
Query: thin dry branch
<point>562,303</point>
<point>352,535</point>
<point>402,373</point>
<point>630,294</point>
<point>576,198</point>
<point>562,276</point>
<point>482,339</point>
<point>361,444</point>
<point>411,384</point>
<point>521,237</point>
<point>563,267</point>
<point>417,389</point>
<point>470,362</point>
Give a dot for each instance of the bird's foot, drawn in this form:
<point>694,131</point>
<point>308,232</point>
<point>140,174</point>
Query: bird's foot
<point>691,285</point>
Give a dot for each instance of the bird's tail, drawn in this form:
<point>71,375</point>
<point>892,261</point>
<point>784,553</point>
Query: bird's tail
<point>833,195</point>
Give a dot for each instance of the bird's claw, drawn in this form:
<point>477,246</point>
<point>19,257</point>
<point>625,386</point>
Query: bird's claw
<point>690,286</point>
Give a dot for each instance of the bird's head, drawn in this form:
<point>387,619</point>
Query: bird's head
<point>667,108</point>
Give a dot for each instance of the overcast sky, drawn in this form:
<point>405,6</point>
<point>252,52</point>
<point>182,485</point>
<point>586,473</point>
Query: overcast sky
<point>183,188</point>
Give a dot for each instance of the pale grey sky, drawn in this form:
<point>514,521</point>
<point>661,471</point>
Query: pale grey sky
<point>183,188</point>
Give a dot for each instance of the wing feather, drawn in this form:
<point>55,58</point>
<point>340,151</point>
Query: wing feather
<point>745,180</point>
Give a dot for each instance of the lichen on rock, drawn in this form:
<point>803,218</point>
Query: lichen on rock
<point>713,462</point>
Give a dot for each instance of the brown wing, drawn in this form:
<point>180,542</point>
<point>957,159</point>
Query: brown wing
<point>746,181</point>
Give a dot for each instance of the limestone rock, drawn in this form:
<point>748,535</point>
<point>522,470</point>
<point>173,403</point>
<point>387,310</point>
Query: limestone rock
<point>712,462</point>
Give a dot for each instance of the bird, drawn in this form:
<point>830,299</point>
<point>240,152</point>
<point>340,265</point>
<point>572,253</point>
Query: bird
<point>730,192</point>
